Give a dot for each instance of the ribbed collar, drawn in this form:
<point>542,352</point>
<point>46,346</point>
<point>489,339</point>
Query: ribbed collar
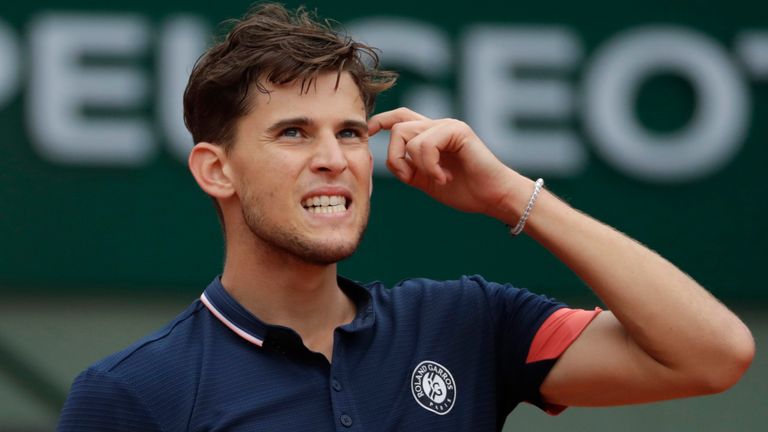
<point>246,325</point>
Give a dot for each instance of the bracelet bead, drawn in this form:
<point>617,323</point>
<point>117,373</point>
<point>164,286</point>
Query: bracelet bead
<point>517,229</point>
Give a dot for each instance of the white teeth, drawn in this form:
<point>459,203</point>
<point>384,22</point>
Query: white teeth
<point>330,209</point>
<point>325,201</point>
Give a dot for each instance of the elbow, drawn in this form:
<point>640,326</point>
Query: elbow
<point>729,365</point>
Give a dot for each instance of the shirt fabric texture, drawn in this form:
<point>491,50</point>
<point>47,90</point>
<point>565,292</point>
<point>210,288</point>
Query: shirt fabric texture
<point>423,355</point>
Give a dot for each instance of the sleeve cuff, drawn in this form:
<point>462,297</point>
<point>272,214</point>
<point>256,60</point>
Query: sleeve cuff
<point>554,336</point>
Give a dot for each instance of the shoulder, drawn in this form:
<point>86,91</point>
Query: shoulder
<point>123,391</point>
<point>418,295</point>
<point>473,295</point>
<point>416,286</point>
<point>100,401</point>
<point>156,349</point>
<point>465,287</point>
<point>161,364</point>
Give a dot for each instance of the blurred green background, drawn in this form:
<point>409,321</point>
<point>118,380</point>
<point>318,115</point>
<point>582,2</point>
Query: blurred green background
<point>650,116</point>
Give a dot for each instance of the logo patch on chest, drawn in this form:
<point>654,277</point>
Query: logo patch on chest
<point>433,387</point>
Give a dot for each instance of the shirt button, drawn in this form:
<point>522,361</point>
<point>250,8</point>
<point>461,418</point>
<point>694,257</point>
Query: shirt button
<point>336,385</point>
<point>346,420</point>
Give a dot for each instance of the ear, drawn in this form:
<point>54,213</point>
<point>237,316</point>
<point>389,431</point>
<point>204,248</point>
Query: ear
<point>208,164</point>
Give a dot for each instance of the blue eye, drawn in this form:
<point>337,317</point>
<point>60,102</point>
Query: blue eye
<point>349,133</point>
<point>291,132</point>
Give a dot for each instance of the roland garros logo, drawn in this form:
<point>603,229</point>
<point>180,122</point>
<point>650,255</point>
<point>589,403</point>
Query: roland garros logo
<point>433,387</point>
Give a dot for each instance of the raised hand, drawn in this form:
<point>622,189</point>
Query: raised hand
<point>448,161</point>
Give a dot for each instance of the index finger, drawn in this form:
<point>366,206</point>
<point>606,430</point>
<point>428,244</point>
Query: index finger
<point>387,119</point>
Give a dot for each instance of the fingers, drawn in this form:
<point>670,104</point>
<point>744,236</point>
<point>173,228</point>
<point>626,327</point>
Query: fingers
<point>427,147</point>
<point>388,119</point>
<point>418,145</point>
<point>398,160</point>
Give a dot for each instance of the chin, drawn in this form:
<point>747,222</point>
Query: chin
<point>317,251</point>
<point>326,251</point>
<point>318,248</point>
<point>327,256</point>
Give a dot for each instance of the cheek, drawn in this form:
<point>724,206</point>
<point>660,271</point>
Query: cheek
<point>275,169</point>
<point>365,170</point>
<point>361,159</point>
<point>265,182</point>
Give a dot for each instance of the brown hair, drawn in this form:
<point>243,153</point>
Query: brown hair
<point>274,45</point>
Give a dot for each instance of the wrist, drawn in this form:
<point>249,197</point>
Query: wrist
<point>510,208</point>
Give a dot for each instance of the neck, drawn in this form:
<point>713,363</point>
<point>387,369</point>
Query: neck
<point>281,289</point>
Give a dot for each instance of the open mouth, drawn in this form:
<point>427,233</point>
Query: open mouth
<point>326,204</point>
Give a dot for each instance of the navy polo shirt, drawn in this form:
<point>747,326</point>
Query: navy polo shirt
<point>424,355</point>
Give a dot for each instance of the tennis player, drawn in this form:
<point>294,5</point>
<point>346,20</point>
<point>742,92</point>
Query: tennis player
<point>280,114</point>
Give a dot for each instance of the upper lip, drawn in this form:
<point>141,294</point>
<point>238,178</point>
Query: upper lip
<point>329,191</point>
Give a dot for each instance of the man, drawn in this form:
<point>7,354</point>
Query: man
<point>279,112</point>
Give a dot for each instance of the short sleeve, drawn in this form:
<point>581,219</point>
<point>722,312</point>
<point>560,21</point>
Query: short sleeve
<point>104,402</point>
<point>517,315</point>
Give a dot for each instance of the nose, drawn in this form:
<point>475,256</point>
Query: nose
<point>329,155</point>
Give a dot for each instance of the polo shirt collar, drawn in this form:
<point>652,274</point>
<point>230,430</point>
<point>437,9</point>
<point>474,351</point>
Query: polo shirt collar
<point>246,325</point>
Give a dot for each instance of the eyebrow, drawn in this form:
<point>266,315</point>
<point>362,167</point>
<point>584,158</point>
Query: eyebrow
<point>289,122</point>
<point>305,121</point>
<point>354,124</point>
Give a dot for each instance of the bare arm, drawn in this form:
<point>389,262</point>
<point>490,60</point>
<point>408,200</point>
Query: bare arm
<point>665,336</point>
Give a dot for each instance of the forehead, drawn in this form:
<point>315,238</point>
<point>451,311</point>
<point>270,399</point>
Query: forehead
<point>327,95</point>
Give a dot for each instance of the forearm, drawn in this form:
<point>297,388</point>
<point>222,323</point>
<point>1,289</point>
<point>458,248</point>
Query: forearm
<point>664,311</point>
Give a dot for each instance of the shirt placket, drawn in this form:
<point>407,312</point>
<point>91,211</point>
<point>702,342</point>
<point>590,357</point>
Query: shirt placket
<point>345,414</point>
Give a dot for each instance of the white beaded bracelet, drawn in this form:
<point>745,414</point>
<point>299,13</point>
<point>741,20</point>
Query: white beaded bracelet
<point>527,212</point>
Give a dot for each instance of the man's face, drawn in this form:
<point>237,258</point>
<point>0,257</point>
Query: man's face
<point>302,169</point>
